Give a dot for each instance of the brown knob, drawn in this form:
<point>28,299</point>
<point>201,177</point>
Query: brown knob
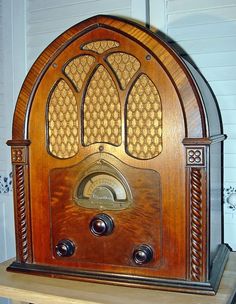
<point>101,224</point>
<point>65,248</point>
<point>142,254</point>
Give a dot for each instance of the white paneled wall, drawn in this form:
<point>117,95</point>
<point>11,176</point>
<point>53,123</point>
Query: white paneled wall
<point>205,30</point>
<point>7,239</point>
<point>6,227</point>
<point>2,103</point>
<point>48,18</point>
<point>12,65</point>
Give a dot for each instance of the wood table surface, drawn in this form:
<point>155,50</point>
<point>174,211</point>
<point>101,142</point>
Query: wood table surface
<point>23,288</point>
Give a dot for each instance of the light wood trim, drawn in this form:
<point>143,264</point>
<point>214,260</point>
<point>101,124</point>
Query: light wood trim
<point>205,140</point>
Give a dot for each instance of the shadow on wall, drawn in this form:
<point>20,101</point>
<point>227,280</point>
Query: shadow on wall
<point>186,57</point>
<point>198,26</point>
<point>218,28</point>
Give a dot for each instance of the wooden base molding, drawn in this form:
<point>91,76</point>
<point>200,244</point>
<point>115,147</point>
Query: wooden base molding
<point>210,287</point>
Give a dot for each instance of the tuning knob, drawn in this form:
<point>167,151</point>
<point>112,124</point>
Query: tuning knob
<point>65,248</point>
<point>101,224</point>
<point>142,254</point>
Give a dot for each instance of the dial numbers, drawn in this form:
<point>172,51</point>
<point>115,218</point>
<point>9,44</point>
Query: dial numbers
<point>102,191</point>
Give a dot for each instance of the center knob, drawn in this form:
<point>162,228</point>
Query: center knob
<point>101,224</point>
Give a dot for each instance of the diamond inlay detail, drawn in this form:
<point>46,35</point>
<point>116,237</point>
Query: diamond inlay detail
<point>78,68</point>
<point>63,121</point>
<point>102,110</point>
<point>144,120</point>
<point>100,46</point>
<point>124,66</point>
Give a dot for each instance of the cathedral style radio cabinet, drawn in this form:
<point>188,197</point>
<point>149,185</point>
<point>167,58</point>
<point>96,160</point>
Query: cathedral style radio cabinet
<point>117,163</point>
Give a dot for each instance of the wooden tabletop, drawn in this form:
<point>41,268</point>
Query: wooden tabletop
<point>42,290</point>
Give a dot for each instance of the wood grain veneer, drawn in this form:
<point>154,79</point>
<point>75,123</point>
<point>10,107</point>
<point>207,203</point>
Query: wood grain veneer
<point>109,100</point>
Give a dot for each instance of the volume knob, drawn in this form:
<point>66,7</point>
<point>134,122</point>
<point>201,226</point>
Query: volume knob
<point>65,248</point>
<point>142,254</point>
<point>101,224</point>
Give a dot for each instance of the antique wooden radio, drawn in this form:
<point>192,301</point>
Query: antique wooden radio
<point>117,163</point>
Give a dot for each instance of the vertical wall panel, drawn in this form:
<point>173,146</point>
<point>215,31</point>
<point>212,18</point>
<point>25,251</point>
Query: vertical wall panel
<point>47,19</point>
<point>205,31</point>
<point>5,199</point>
<point>12,50</point>
<point>7,239</point>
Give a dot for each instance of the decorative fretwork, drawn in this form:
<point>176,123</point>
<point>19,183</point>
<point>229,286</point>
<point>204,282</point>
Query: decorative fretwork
<point>144,120</point>
<point>124,66</point>
<point>78,68</point>
<point>102,110</point>
<point>63,121</point>
<point>196,224</point>
<point>21,214</point>
<point>100,46</point>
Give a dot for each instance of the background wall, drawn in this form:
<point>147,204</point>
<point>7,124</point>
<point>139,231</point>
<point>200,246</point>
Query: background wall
<point>205,30</point>
<point>47,19</point>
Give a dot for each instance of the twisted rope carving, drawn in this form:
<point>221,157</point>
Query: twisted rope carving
<point>196,225</point>
<point>21,213</point>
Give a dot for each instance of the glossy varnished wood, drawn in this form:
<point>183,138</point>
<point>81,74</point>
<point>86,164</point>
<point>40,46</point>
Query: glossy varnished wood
<point>173,221</point>
<point>173,209</point>
<point>32,289</point>
<point>194,113</point>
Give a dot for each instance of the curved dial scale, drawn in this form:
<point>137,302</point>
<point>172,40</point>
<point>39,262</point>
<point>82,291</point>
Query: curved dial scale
<point>102,191</point>
<point>107,181</point>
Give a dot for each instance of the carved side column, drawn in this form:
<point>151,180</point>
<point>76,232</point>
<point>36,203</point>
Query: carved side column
<point>19,157</point>
<point>197,212</point>
<point>195,224</point>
